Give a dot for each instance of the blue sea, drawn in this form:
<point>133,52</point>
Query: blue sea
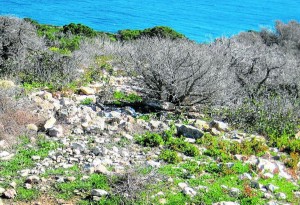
<point>200,20</point>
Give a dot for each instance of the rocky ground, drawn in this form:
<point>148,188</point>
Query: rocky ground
<point>84,148</point>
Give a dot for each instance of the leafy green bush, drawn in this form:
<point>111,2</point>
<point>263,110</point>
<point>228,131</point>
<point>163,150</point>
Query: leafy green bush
<point>178,144</point>
<point>79,29</point>
<point>128,34</point>
<point>157,31</point>
<point>170,156</point>
<point>149,139</point>
<point>163,32</point>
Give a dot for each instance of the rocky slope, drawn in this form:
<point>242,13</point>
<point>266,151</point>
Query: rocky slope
<point>90,139</point>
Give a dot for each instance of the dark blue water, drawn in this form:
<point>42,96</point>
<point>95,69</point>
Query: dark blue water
<point>198,20</point>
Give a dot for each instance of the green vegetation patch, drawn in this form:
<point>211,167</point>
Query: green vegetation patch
<point>23,156</point>
<point>66,190</point>
<point>157,31</point>
<point>121,97</point>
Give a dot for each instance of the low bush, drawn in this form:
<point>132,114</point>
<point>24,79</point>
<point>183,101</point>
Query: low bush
<point>79,29</point>
<point>170,156</point>
<point>178,144</point>
<point>149,139</point>
<point>157,31</point>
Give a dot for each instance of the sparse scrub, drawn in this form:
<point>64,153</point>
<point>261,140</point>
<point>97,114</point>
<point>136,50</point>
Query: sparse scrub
<point>15,114</point>
<point>177,71</point>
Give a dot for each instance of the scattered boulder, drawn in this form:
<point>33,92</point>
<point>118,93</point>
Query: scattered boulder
<point>201,124</point>
<point>10,193</point>
<point>50,123</point>
<point>56,131</point>
<point>189,191</point>
<point>188,131</point>
<point>220,126</point>
<point>87,90</point>
<point>99,192</point>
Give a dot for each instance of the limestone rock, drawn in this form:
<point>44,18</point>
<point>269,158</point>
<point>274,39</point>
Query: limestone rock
<point>87,90</point>
<point>188,131</point>
<point>56,131</point>
<point>99,192</point>
<point>220,126</point>
<point>10,194</point>
<point>101,169</point>
<point>201,124</point>
<point>50,123</point>
<point>189,191</point>
<point>182,185</point>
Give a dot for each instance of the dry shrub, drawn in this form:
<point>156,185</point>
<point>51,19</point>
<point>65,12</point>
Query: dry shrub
<point>15,114</point>
<point>130,185</point>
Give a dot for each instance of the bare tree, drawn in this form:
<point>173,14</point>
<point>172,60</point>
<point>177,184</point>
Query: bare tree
<point>17,39</point>
<point>177,71</point>
<point>255,66</point>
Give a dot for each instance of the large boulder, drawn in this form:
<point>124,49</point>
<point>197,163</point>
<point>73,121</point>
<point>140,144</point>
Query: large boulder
<point>189,131</point>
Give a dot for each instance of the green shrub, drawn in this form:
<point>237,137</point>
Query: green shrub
<point>128,34</point>
<point>163,32</point>
<point>71,43</point>
<point>149,139</point>
<point>79,29</point>
<point>178,144</point>
<point>66,190</point>
<point>170,156</point>
<point>157,31</point>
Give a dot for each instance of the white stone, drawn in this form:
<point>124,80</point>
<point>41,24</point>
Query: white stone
<point>189,191</point>
<point>188,131</point>
<point>182,185</point>
<point>87,90</point>
<point>4,154</point>
<point>50,123</point>
<point>99,192</point>
<point>281,196</point>
<point>220,126</point>
<point>101,169</point>
<point>56,131</point>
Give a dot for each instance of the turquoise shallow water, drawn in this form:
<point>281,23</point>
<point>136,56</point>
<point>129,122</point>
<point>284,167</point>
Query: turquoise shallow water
<point>199,20</point>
